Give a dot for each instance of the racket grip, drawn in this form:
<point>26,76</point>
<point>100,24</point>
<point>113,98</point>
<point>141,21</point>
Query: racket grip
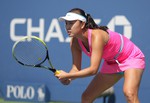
<point>57,72</point>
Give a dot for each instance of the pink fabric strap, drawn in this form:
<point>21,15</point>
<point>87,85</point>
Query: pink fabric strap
<point>89,41</point>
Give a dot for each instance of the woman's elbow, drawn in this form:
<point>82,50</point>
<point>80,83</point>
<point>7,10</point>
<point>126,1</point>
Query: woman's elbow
<point>94,71</point>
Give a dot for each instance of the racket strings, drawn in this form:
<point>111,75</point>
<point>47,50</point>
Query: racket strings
<point>30,53</point>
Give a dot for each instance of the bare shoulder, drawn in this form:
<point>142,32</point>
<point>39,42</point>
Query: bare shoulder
<point>100,35</point>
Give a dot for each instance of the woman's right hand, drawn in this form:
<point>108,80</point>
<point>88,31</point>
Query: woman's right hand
<point>65,81</point>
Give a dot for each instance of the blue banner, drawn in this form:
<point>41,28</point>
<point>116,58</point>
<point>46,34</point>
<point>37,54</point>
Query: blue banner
<point>40,18</point>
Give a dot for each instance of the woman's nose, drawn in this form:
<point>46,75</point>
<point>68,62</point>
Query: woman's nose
<point>67,27</point>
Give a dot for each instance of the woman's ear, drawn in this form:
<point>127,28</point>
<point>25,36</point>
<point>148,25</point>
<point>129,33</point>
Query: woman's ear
<point>83,25</point>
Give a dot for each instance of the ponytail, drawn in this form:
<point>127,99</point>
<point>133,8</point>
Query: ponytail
<point>90,24</point>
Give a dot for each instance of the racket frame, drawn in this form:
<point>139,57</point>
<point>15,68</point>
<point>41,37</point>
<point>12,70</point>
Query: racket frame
<point>37,65</point>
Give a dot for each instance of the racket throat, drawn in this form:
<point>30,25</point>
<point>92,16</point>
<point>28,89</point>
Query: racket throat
<point>53,70</point>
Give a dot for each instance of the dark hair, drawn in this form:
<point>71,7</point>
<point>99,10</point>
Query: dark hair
<point>90,22</point>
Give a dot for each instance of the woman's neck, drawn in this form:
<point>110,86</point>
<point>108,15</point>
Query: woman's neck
<point>83,36</point>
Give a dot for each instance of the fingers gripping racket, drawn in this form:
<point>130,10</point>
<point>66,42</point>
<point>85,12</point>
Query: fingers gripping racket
<point>32,51</point>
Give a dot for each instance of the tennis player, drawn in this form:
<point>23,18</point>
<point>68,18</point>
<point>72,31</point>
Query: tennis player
<point>122,58</point>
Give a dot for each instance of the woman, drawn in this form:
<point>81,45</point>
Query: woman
<point>121,57</point>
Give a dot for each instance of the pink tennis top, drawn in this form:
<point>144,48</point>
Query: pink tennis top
<point>119,53</point>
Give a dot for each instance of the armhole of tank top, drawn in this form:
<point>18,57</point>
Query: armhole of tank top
<point>90,38</point>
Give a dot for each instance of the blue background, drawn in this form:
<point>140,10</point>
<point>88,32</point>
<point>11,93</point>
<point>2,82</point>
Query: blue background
<point>136,11</point>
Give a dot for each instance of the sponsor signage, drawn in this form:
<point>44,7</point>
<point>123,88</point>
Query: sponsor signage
<point>25,92</point>
<point>55,30</point>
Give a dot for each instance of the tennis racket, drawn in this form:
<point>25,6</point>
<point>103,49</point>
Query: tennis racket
<point>32,51</point>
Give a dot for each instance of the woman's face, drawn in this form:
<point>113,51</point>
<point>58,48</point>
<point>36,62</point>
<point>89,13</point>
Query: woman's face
<point>74,28</point>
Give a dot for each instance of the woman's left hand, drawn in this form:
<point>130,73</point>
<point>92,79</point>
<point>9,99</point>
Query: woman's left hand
<point>61,75</point>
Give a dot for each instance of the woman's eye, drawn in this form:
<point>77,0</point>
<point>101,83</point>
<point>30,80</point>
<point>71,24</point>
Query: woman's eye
<point>70,23</point>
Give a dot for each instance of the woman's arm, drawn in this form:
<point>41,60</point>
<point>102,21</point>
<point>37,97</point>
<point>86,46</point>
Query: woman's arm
<point>76,60</point>
<point>98,42</point>
<point>76,55</point>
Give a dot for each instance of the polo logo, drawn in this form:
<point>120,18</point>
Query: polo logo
<point>25,92</point>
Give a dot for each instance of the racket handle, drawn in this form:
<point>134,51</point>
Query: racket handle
<point>57,72</point>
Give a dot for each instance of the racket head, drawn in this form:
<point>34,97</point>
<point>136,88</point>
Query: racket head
<point>30,51</point>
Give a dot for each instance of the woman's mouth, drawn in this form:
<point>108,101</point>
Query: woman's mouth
<point>69,32</point>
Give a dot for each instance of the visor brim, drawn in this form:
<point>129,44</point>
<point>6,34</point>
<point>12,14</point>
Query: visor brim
<point>66,18</point>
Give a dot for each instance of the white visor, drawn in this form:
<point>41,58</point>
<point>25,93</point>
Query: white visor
<point>72,16</point>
